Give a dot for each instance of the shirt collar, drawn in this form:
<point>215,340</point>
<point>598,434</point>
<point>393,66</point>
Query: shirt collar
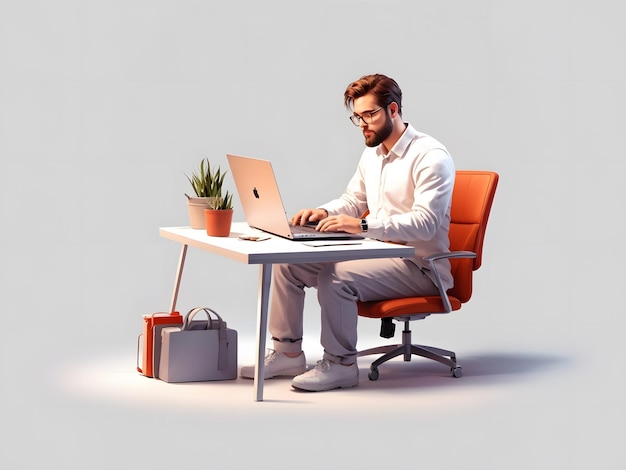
<point>402,144</point>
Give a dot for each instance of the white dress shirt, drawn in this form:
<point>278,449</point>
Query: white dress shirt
<point>408,193</point>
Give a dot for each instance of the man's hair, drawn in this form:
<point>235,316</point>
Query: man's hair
<point>385,89</point>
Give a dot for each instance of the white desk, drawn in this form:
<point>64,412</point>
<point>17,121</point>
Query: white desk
<point>265,254</point>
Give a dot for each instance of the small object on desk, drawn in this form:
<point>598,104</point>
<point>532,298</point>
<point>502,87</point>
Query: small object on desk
<point>253,238</point>
<point>329,243</point>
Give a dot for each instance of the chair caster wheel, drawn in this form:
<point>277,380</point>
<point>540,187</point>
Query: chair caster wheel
<point>373,374</point>
<point>456,372</point>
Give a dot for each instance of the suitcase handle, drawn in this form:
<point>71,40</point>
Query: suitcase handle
<point>139,369</point>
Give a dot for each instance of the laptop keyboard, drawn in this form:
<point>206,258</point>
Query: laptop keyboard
<point>302,228</point>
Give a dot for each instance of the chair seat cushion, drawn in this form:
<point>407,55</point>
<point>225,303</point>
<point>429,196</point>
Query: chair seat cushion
<point>405,306</point>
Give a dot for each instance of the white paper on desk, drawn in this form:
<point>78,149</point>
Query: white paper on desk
<point>330,243</point>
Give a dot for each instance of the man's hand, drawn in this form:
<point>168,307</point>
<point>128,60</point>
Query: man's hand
<point>326,223</point>
<point>342,222</point>
<point>308,215</point>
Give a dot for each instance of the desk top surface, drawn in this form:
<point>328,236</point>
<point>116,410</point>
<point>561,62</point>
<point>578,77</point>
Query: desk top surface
<point>281,250</point>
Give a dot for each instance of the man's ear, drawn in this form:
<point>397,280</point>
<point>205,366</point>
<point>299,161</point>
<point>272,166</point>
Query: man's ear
<point>393,108</point>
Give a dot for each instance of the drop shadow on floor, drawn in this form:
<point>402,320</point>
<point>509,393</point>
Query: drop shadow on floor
<point>478,370</point>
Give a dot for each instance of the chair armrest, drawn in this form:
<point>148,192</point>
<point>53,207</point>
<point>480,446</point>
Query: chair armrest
<point>450,255</point>
<point>431,261</point>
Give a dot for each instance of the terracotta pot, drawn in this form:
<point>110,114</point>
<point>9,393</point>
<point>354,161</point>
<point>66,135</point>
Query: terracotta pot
<point>218,222</point>
<point>195,207</point>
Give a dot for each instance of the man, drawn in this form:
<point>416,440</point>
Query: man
<point>404,183</point>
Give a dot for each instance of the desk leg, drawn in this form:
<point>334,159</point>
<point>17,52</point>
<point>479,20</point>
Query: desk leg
<point>179,275</point>
<point>265,279</point>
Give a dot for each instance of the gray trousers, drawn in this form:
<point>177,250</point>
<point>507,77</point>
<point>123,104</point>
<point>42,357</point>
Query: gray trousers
<point>339,286</point>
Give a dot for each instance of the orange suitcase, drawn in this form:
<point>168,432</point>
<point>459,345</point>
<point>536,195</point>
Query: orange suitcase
<point>149,342</point>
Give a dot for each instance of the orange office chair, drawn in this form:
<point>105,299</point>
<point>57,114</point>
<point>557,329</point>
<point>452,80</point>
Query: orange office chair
<point>472,197</point>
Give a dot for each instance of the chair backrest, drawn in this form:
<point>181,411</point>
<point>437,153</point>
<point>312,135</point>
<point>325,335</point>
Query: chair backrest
<point>472,197</point>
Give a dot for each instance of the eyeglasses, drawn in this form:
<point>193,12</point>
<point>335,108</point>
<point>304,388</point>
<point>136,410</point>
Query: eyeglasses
<point>367,117</point>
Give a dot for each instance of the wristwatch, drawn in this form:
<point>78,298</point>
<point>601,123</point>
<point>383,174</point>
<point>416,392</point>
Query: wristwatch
<point>363,225</point>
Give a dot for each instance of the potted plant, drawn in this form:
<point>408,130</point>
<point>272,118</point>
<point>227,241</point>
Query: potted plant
<point>219,218</point>
<point>207,187</point>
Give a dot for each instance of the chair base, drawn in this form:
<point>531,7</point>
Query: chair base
<point>408,349</point>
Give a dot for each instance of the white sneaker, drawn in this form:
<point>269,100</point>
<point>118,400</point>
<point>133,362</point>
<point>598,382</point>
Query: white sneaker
<point>277,364</point>
<point>327,375</point>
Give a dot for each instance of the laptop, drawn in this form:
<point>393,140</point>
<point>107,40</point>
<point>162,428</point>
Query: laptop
<point>263,206</point>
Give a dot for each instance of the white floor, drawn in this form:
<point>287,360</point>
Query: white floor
<point>542,385</point>
<point>555,405</point>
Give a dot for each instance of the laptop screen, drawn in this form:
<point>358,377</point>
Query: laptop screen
<point>262,203</point>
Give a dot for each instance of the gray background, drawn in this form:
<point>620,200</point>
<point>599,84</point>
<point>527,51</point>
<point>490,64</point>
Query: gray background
<point>105,106</point>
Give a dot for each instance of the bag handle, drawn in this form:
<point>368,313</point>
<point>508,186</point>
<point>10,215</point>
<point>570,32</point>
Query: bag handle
<point>192,313</point>
<point>222,355</point>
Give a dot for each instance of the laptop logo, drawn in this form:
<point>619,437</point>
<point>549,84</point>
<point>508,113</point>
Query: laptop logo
<point>255,192</point>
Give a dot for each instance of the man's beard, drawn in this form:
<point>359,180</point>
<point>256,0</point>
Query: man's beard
<point>379,137</point>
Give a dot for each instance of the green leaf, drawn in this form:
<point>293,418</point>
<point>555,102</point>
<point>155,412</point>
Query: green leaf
<point>208,182</point>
